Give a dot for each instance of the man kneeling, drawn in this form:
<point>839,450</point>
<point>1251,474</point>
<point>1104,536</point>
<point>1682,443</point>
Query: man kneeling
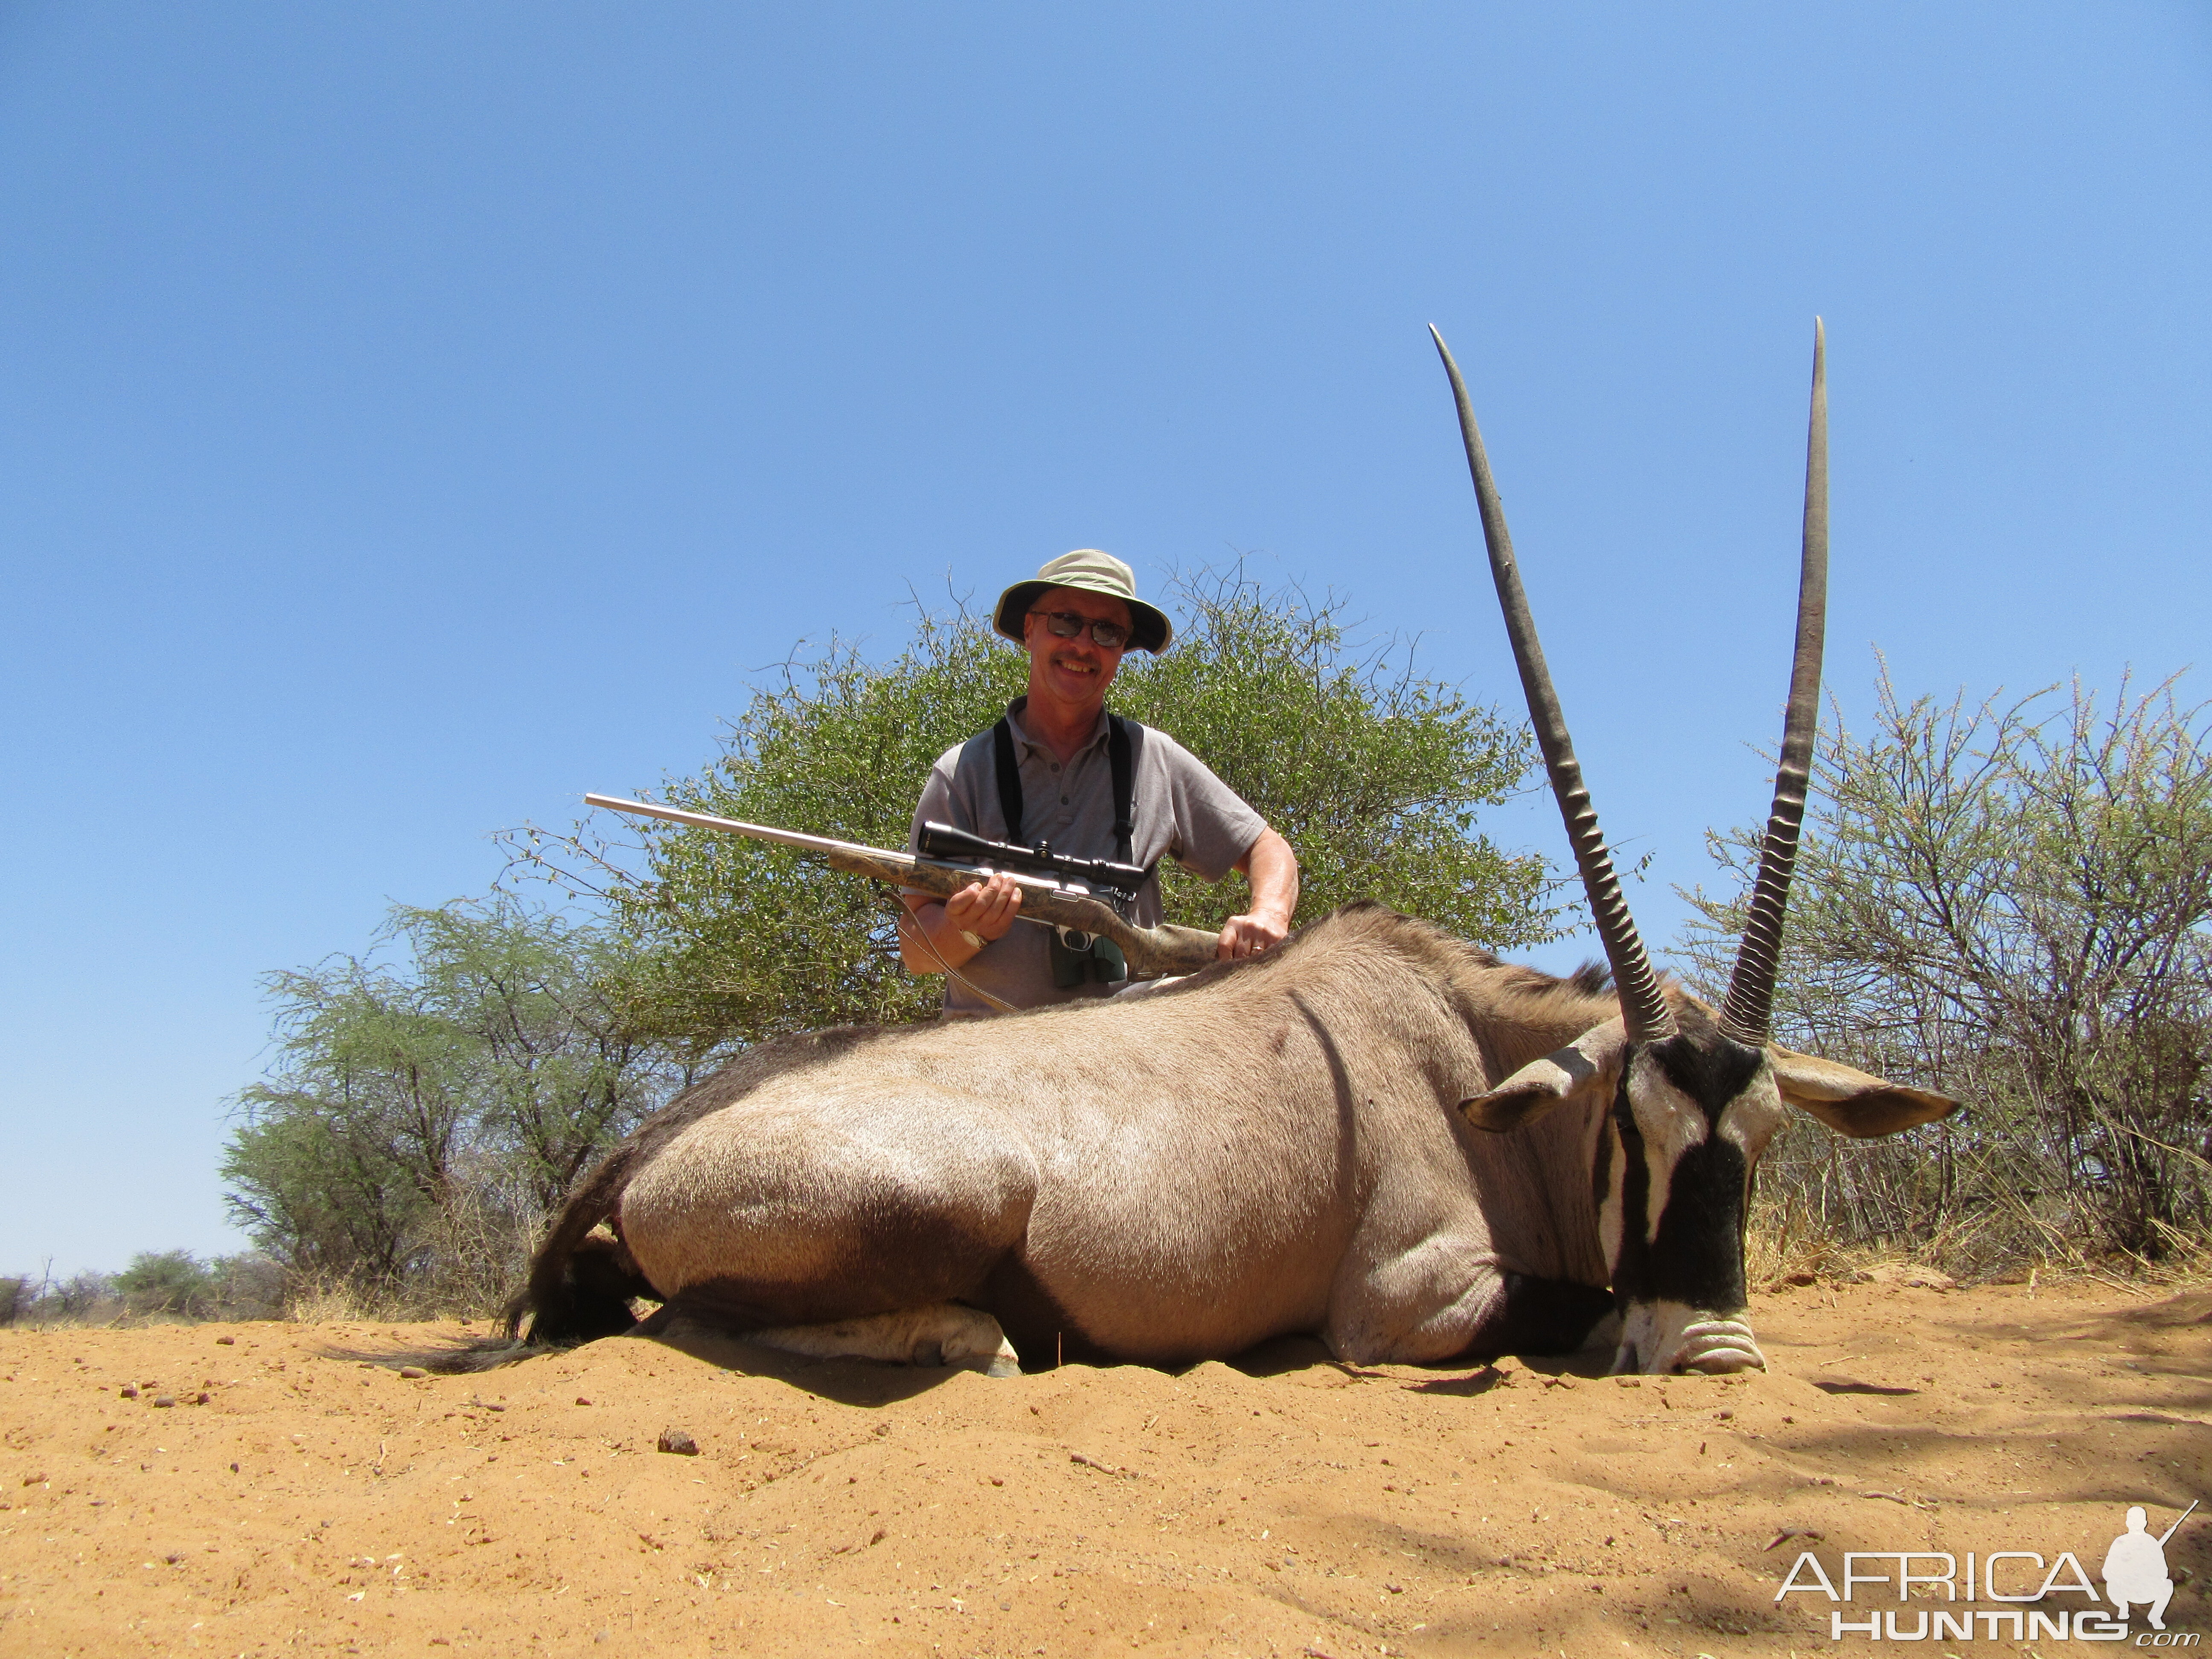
<point>1060,769</point>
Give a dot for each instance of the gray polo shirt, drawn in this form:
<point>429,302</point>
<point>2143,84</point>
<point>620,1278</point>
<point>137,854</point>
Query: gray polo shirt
<point>1181,812</point>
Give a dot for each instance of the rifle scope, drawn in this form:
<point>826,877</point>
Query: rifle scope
<point>942,841</point>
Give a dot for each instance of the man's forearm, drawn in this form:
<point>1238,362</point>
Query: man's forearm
<point>1272,869</point>
<point>952,947</point>
<point>941,935</point>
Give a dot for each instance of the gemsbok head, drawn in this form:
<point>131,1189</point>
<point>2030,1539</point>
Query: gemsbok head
<point>1682,1103</point>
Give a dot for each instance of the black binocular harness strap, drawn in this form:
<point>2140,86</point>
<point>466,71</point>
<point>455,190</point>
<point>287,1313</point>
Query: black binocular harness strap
<point>1118,754</point>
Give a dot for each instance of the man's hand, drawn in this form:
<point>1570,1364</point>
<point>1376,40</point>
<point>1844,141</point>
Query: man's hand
<point>946,934</point>
<point>987,910</point>
<point>1248,935</point>
<point>1272,869</point>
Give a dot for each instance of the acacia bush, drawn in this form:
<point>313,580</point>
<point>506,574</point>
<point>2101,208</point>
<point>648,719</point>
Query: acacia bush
<point>427,1110</point>
<point>2011,903</point>
<point>178,1285</point>
<point>85,1297</point>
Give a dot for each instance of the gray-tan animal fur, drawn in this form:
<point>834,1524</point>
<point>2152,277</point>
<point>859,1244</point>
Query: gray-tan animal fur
<point>1274,1147</point>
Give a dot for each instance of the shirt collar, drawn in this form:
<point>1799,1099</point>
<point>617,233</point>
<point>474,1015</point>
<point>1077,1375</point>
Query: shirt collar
<point>1014,711</point>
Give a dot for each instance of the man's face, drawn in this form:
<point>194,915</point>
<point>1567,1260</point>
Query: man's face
<point>1075,672</point>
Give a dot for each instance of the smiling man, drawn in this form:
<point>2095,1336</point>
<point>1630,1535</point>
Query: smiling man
<point>1060,769</point>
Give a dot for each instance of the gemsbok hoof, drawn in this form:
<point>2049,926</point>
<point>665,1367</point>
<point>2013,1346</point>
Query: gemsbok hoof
<point>941,1334</point>
<point>1718,1347</point>
<point>1667,1338</point>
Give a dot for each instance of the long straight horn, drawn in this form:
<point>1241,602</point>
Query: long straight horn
<point>1642,1008</point>
<point>1749,1010</point>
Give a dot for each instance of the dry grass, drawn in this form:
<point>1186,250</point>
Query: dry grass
<point>2003,1245</point>
<point>341,1302</point>
<point>336,1302</point>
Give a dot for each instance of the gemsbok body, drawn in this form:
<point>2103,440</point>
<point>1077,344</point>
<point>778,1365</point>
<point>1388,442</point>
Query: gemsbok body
<point>1375,1134</point>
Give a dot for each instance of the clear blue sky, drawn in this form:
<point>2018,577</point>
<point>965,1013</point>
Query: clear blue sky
<point>414,416</point>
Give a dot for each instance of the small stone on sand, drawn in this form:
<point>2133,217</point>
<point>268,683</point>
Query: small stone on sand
<point>676,1440</point>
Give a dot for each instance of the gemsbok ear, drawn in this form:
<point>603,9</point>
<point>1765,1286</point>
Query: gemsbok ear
<point>1588,1065</point>
<point>1850,1101</point>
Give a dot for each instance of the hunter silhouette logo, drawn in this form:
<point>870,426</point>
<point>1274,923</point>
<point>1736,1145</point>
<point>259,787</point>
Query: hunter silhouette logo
<point>2135,1567</point>
<point>2019,1581</point>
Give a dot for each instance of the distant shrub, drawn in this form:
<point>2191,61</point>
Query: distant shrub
<point>173,1282</point>
<point>428,1107</point>
<point>157,1285</point>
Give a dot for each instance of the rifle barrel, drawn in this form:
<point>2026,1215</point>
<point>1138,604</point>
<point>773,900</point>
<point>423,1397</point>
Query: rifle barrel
<point>734,826</point>
<point>1151,951</point>
<point>2176,1527</point>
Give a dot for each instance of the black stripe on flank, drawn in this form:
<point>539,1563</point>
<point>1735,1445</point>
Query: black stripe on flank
<point>878,1264</point>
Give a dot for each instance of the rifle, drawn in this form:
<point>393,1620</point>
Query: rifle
<point>2176,1527</point>
<point>1051,902</point>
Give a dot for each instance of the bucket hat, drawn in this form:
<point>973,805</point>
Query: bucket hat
<point>1095,573</point>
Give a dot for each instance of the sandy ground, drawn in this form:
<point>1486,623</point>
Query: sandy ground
<point>293,1499</point>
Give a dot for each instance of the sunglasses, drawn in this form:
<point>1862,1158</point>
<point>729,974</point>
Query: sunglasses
<point>1066,625</point>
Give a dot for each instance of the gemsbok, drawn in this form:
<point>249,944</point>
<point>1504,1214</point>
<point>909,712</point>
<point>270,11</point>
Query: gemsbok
<point>1375,1134</point>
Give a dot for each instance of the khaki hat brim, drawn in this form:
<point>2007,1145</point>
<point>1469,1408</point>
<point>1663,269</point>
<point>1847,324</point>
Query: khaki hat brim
<point>1149,626</point>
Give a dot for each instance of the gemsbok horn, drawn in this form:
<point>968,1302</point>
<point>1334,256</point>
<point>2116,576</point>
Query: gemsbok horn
<point>1644,1010</point>
<point>1746,1013</point>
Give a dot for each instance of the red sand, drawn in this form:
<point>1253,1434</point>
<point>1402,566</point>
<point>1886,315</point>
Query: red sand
<point>315,1505</point>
